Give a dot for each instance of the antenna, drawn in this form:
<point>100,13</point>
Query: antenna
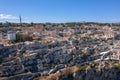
<point>20,24</point>
<point>20,20</point>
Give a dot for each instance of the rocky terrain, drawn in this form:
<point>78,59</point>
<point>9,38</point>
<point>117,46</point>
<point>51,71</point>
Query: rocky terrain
<point>63,52</point>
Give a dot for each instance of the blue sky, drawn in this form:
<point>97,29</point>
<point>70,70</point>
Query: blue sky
<point>60,10</point>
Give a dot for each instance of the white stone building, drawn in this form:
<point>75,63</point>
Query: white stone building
<point>11,35</point>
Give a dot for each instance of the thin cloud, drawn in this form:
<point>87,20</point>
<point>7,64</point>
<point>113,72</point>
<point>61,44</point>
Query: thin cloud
<point>115,20</point>
<point>7,16</point>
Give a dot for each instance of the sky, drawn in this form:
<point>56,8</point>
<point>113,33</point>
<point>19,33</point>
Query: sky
<point>58,11</point>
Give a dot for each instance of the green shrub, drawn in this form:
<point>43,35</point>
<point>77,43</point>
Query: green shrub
<point>81,67</point>
<point>118,66</point>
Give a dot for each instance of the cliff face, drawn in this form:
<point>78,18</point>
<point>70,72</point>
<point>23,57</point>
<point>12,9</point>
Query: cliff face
<point>108,70</point>
<point>103,74</point>
<point>94,73</point>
